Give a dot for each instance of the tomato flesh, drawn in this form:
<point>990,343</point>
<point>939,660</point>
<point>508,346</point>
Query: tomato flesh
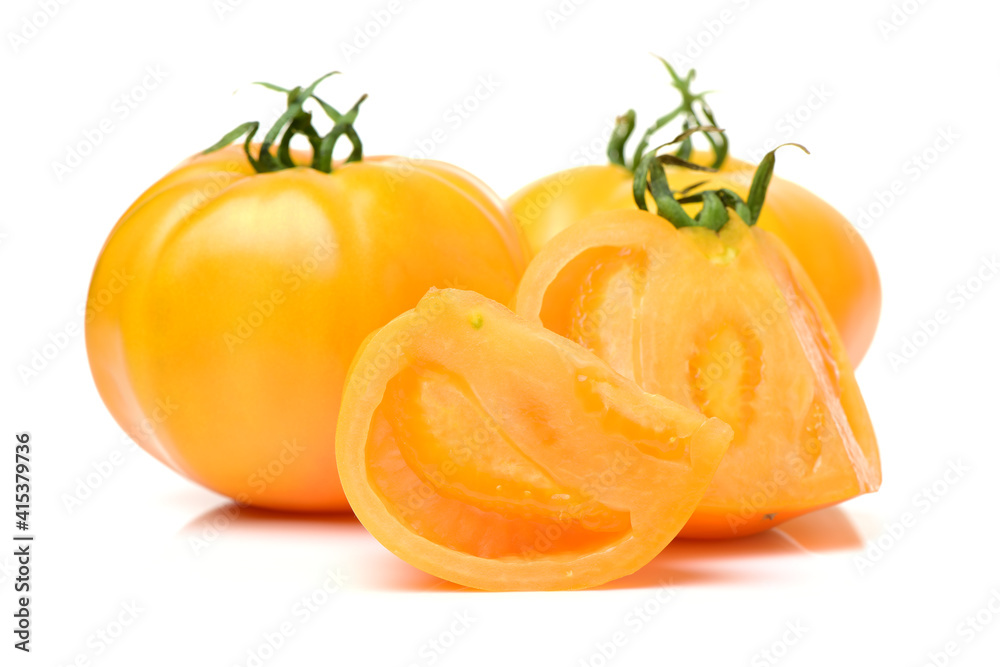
<point>728,324</point>
<point>496,454</point>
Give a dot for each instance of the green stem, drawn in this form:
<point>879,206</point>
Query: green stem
<point>624,125</point>
<point>643,145</point>
<point>694,111</point>
<point>652,177</point>
<point>295,120</point>
<point>762,179</point>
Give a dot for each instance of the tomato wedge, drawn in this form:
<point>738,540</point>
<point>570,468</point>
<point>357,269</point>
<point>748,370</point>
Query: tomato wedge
<point>729,324</point>
<point>491,452</point>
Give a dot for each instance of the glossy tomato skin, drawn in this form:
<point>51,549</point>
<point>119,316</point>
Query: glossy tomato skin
<point>248,294</point>
<point>837,259</point>
<point>551,204</point>
<point>830,249</point>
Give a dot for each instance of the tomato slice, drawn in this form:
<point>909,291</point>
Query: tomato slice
<point>728,324</point>
<point>493,453</point>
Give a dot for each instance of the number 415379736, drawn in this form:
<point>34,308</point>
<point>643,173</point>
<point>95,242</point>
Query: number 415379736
<point>22,488</point>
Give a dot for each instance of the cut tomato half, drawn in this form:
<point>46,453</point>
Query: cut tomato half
<point>493,453</point>
<point>729,324</point>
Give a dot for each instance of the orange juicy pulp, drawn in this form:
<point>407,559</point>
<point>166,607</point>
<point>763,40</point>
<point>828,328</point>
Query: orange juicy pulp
<point>493,453</point>
<point>729,324</point>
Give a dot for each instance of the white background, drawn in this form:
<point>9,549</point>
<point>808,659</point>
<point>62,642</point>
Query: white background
<point>888,95</point>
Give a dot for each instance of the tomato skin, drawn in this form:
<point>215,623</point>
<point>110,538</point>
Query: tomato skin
<point>493,453</point>
<point>551,204</point>
<point>248,294</point>
<point>837,259</point>
<point>830,249</point>
<point>727,323</point>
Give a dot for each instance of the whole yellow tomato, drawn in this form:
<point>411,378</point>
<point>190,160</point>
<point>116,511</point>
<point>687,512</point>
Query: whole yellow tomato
<point>832,252</point>
<point>252,276</point>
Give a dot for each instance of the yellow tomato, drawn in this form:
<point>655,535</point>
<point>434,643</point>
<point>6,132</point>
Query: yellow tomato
<point>247,295</point>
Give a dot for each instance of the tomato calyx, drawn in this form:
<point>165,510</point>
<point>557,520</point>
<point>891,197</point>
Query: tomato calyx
<point>297,121</point>
<point>698,118</point>
<point>652,177</point>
